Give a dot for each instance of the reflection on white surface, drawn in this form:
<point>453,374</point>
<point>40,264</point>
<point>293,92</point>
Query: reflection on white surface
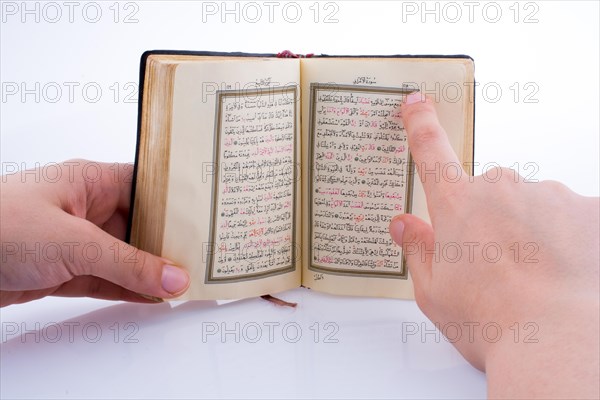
<point>328,346</point>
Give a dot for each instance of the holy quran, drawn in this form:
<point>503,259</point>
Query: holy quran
<point>259,174</point>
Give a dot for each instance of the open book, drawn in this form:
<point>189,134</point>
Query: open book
<point>259,174</point>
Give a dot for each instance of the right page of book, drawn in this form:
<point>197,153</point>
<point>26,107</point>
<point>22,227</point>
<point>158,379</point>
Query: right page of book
<point>357,170</point>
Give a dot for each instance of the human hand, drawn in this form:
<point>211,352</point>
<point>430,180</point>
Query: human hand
<point>62,231</point>
<point>523,257</point>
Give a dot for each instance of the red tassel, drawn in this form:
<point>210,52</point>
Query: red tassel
<point>278,302</point>
<point>289,54</point>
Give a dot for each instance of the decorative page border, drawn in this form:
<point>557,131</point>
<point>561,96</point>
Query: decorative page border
<point>314,87</point>
<point>220,95</point>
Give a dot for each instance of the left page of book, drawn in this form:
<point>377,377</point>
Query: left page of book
<point>233,197</point>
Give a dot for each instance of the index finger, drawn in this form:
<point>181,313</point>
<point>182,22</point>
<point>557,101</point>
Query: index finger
<point>432,154</point>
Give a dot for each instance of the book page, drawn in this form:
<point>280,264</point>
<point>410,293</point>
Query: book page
<point>357,172</point>
<point>232,206</point>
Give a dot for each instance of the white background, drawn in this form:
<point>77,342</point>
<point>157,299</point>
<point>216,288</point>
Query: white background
<point>537,108</point>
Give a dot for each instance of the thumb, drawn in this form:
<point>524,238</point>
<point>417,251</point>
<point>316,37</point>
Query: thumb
<point>104,256</point>
<point>415,236</point>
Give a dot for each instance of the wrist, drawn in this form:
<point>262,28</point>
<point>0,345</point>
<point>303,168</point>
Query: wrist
<point>561,360</point>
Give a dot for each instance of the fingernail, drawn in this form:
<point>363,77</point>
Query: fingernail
<point>153,298</point>
<point>397,231</point>
<point>415,97</point>
<point>174,279</point>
